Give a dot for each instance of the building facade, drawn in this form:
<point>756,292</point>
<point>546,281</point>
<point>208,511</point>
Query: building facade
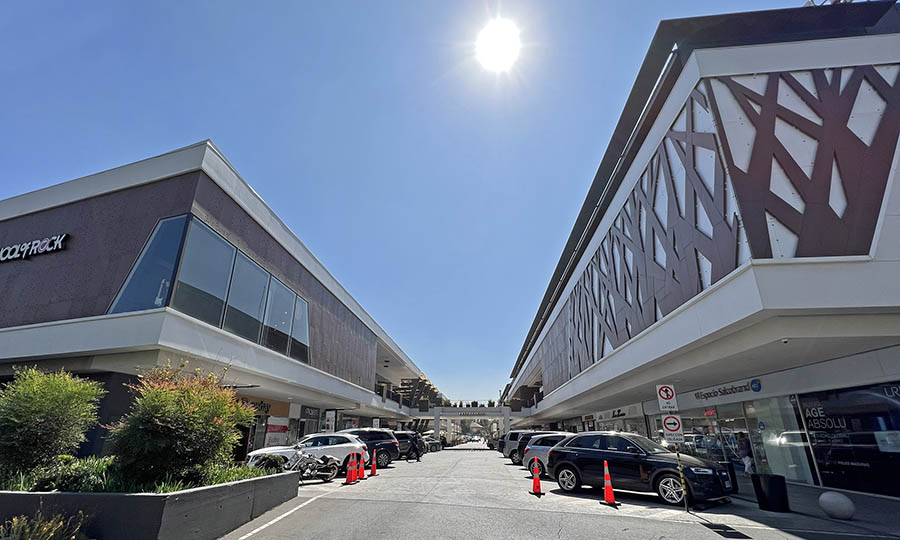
<point>175,259</point>
<point>741,241</point>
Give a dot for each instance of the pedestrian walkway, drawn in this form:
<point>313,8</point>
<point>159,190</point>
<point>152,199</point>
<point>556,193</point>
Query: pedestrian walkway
<point>881,515</point>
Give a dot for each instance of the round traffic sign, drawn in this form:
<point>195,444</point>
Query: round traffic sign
<point>672,424</point>
<point>666,392</point>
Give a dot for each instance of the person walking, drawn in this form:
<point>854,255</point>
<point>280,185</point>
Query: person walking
<point>413,448</point>
<point>746,453</point>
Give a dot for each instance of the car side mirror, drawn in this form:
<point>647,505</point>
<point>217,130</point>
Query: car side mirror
<point>632,449</point>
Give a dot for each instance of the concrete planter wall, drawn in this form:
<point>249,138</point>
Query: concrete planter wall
<point>202,513</point>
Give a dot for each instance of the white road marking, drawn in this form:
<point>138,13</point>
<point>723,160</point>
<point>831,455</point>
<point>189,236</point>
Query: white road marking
<point>284,515</point>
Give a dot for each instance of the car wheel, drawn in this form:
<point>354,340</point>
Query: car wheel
<point>669,489</point>
<point>383,459</point>
<point>540,468</point>
<point>514,457</point>
<point>568,479</point>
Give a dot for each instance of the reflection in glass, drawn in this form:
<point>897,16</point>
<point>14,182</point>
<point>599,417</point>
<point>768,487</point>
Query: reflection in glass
<point>300,333</point>
<point>149,282</point>
<point>279,316</point>
<point>203,277</point>
<point>246,299</point>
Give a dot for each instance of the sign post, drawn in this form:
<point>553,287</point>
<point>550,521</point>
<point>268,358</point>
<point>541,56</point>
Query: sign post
<point>672,429</point>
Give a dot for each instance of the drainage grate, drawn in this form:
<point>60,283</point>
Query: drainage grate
<point>724,530</point>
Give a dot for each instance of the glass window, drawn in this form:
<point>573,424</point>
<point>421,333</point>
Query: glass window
<point>300,332</point>
<point>279,315</point>
<point>150,280</point>
<point>855,436</point>
<point>333,441</point>
<point>203,274</point>
<point>246,299</point>
<point>586,441</point>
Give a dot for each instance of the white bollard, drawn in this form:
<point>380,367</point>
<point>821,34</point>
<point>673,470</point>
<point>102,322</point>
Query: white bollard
<point>836,505</point>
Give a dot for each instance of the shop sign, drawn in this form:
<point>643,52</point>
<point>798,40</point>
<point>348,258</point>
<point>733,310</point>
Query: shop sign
<point>753,385</point>
<point>309,412</point>
<point>329,422</point>
<point>665,396</point>
<point>587,417</point>
<point>34,247</point>
<point>672,428</point>
<point>376,422</point>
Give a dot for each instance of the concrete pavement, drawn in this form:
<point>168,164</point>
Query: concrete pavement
<point>470,492</point>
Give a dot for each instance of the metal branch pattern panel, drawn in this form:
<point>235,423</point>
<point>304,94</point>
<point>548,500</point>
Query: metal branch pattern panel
<point>773,165</point>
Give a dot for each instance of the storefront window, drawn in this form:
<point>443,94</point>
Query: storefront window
<point>279,315</point>
<point>204,274</point>
<point>854,434</point>
<point>246,299</point>
<point>777,439</point>
<point>150,281</point>
<point>300,332</point>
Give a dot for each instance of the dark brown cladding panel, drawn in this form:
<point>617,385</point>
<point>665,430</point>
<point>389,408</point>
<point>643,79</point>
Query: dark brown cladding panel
<point>340,343</point>
<point>106,234</point>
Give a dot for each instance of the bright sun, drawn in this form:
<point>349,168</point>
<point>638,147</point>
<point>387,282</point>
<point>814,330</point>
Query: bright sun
<point>497,47</point>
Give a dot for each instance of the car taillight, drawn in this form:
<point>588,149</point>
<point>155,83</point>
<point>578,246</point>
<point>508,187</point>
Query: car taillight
<point>396,443</point>
<point>526,450</point>
<point>549,453</point>
<point>365,448</point>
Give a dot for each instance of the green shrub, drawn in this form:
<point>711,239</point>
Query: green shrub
<point>43,415</point>
<point>179,424</point>
<point>69,474</point>
<point>41,527</point>
<point>219,474</point>
<point>271,462</point>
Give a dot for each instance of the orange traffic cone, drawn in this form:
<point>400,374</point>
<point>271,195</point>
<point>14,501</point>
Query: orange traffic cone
<point>373,473</point>
<point>361,473</point>
<point>608,496</point>
<point>536,479</point>
<point>351,469</point>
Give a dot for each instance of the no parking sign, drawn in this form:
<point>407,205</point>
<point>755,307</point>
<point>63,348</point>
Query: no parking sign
<point>672,428</point>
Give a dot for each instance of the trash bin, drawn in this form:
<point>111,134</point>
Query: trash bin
<point>771,492</point>
<point>732,474</point>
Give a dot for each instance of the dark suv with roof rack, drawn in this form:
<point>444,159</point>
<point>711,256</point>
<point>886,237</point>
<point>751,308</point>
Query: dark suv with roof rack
<point>382,444</point>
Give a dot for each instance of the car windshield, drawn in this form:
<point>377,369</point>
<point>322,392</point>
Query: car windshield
<point>649,446</point>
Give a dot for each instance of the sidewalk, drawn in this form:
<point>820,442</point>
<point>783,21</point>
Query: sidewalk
<point>876,514</point>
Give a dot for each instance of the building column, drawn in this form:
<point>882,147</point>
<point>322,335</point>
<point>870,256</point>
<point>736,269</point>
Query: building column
<point>505,419</point>
<point>437,423</point>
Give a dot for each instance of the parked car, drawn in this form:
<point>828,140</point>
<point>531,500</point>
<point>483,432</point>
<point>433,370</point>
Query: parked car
<point>406,438</point>
<point>501,443</point>
<point>510,441</point>
<point>336,445</point>
<point>539,446</point>
<point>381,443</point>
<point>432,444</point>
<point>522,443</point>
<point>635,463</point>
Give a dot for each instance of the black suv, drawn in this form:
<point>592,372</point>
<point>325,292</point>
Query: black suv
<point>635,463</point>
<point>382,444</point>
<point>522,443</point>
<point>405,438</point>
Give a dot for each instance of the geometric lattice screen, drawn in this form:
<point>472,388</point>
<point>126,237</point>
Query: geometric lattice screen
<point>777,165</point>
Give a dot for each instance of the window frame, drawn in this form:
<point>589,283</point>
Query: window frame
<point>140,257</point>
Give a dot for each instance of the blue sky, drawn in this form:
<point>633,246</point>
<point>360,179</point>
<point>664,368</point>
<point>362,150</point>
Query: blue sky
<point>439,194</point>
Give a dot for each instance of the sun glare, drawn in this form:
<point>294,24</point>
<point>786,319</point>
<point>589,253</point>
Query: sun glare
<point>497,46</point>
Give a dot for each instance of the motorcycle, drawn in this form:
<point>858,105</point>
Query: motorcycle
<point>324,468</point>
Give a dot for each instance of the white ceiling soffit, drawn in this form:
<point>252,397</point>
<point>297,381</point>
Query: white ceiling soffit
<point>206,157</point>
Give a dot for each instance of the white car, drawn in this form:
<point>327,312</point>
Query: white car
<point>336,445</point>
<point>539,446</point>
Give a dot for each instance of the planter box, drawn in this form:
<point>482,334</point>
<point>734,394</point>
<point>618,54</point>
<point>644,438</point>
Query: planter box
<point>204,513</point>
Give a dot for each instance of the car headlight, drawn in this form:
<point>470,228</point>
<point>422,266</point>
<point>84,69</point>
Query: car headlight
<point>701,470</point>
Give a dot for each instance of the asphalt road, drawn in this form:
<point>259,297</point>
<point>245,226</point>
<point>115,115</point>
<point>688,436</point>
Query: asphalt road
<point>471,493</point>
